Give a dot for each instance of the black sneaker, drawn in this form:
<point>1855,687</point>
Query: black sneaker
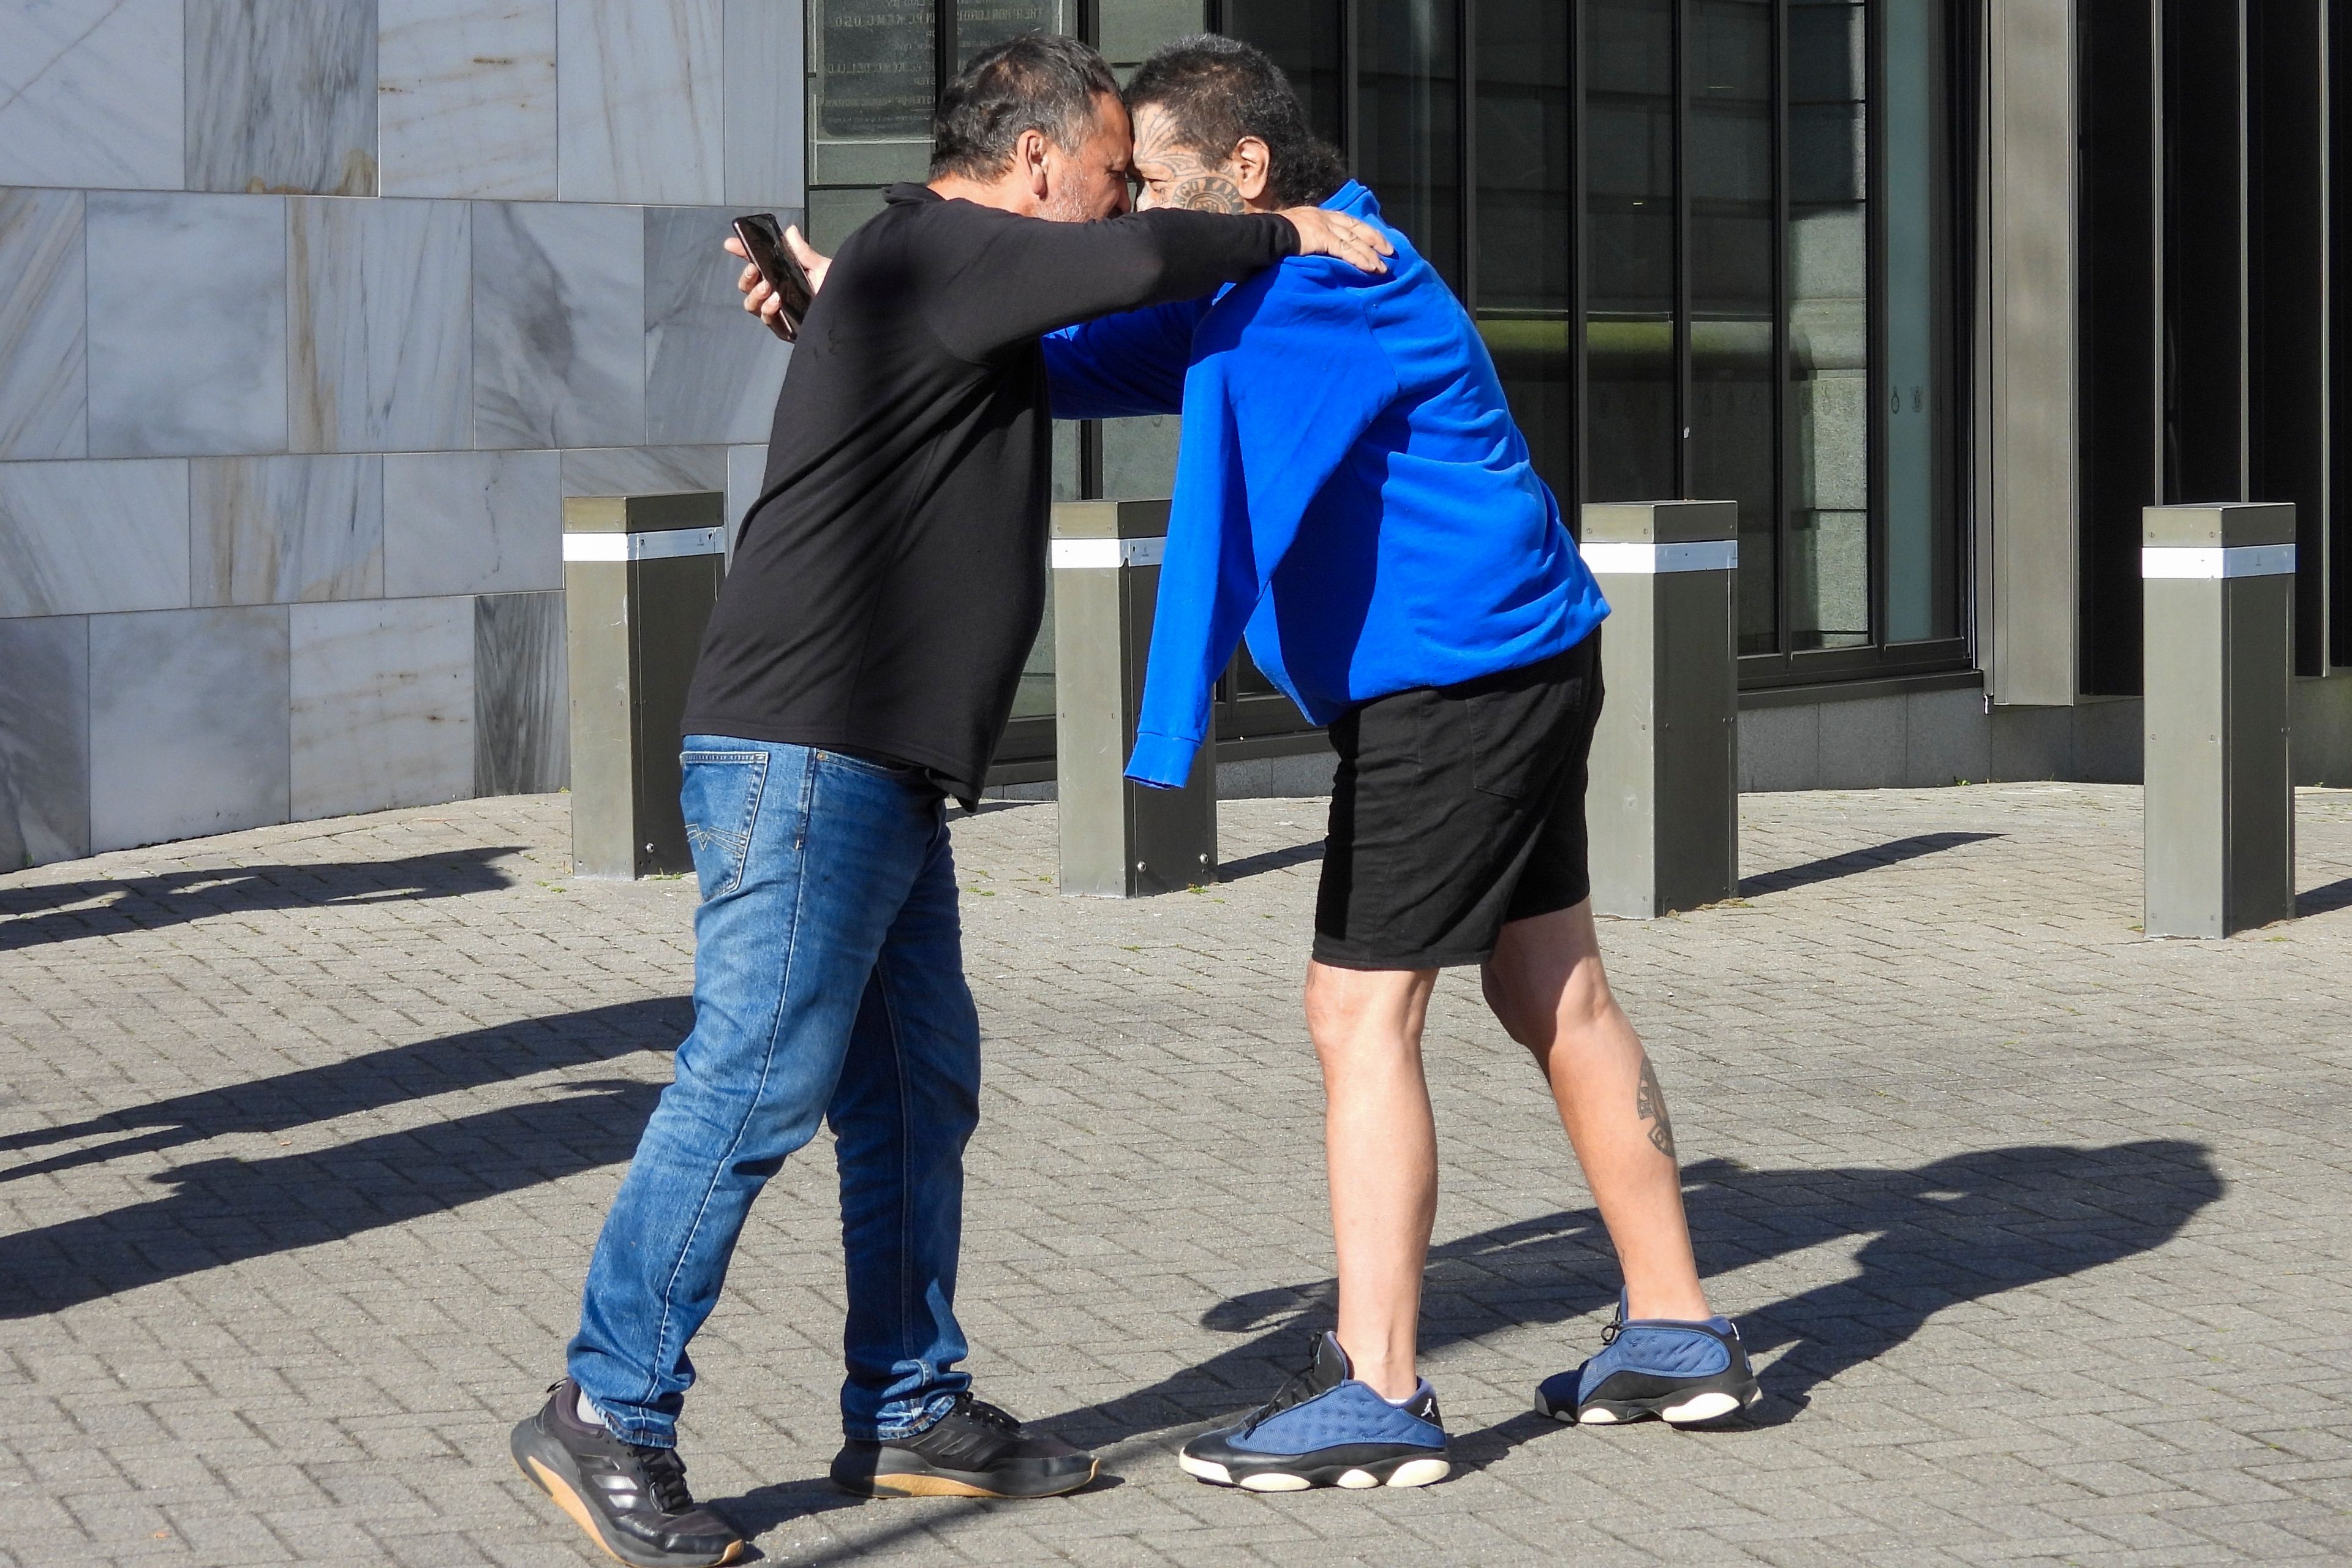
<point>630,1499</point>
<point>974,1450</point>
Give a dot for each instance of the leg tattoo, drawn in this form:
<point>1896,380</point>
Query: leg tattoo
<point>1650,1105</point>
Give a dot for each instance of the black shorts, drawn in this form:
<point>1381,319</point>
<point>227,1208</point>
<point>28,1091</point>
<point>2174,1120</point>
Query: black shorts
<point>1455,810</point>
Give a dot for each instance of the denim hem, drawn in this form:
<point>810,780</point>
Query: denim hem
<point>642,1435</point>
<point>934,1409</point>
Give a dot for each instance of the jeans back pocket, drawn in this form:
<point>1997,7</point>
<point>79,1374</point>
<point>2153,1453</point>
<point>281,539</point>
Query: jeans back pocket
<point>720,795</point>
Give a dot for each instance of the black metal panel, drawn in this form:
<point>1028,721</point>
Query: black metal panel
<point>2119,366</point>
<point>2204,251</point>
<point>2287,230</point>
<point>2339,219</point>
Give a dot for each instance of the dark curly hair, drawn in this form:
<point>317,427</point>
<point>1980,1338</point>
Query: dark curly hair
<point>1218,91</point>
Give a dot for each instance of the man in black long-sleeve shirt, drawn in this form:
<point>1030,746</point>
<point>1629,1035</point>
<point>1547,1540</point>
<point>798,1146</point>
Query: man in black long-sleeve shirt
<point>860,667</point>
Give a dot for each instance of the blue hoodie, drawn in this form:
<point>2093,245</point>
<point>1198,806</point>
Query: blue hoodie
<point>1350,487</point>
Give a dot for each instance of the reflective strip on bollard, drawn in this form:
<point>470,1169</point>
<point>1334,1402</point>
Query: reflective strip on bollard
<point>2210,563</point>
<point>663,545</point>
<point>1100,554</point>
<point>1625,558</point>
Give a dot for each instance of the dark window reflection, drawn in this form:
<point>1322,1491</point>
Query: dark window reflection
<point>1409,145</point>
<point>1829,326</point>
<point>1728,88</point>
<point>1305,38</point>
<point>1527,195</point>
<point>1629,326</point>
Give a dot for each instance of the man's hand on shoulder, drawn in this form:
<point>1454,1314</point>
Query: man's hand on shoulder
<point>1326,233</point>
<point>762,301</point>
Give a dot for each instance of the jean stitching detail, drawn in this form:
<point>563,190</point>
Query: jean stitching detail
<point>752,1102</point>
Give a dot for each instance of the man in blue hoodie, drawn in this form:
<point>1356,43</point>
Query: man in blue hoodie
<point>1352,492</point>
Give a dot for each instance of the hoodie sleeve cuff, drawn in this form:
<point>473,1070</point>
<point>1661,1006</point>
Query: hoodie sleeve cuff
<point>1161,761</point>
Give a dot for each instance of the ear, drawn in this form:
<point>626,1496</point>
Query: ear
<point>1252,165</point>
<point>1030,154</point>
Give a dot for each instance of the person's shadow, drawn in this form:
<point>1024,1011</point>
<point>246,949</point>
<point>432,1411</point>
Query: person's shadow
<point>1951,1231</point>
<point>225,1211</point>
<point>40,914</point>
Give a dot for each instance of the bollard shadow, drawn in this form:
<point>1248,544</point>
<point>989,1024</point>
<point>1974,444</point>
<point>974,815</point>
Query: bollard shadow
<point>1270,860</point>
<point>225,1211</point>
<point>45,914</point>
<point>2326,899</point>
<point>1855,861</point>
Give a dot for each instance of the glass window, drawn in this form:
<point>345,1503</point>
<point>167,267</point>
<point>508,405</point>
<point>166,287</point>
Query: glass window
<point>1829,325</point>
<point>1409,136</point>
<point>1525,256</point>
<point>1922,546</point>
<point>1307,38</point>
<point>1629,427</point>
<point>871,83</point>
<point>1733,409</point>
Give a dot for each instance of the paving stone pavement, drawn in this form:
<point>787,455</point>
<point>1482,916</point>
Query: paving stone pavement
<point>2037,1225</point>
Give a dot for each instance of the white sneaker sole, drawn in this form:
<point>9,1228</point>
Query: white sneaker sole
<point>1411,1473</point>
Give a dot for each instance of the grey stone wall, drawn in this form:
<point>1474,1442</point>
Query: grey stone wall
<point>311,312</point>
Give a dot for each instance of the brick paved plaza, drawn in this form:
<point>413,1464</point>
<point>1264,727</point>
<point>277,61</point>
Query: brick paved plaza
<point>2038,1226</point>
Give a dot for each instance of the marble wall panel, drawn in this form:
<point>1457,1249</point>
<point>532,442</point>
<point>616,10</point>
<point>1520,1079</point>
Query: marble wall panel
<point>198,366</point>
<point>766,85</point>
<point>380,349</point>
<point>383,705</point>
<point>559,326</point>
<point>281,96</point>
<point>278,531</point>
<point>523,718</point>
<point>639,85</point>
<point>712,371</point>
<point>83,537</point>
<point>466,99</point>
<point>43,362</point>
<point>44,742</point>
<point>472,522</point>
<point>643,470</point>
<point>187,724</point>
<point>89,93</point>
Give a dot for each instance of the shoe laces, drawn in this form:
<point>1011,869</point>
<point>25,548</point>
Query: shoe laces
<point>1294,1391</point>
<point>665,1477</point>
<point>987,1415</point>
<point>1616,1326</point>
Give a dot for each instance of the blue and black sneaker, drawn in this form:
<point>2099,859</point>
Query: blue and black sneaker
<point>1326,1429</point>
<point>1685,1374</point>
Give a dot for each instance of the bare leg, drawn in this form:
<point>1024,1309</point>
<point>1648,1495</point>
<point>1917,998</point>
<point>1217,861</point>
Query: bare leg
<point>1546,984</point>
<point>1381,1145</point>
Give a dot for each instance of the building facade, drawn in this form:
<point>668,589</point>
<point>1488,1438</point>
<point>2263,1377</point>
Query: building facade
<point>313,311</point>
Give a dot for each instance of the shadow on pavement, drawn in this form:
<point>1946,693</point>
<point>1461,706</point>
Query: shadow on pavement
<point>2326,901</point>
<point>37,916</point>
<point>1854,862</point>
<point>1933,1236</point>
<point>369,1082</point>
<point>225,1211</point>
<point>1270,860</point>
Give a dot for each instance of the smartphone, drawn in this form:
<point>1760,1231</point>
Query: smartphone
<point>763,237</point>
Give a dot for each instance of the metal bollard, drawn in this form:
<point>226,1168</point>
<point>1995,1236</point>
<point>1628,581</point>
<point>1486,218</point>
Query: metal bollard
<point>1663,803</point>
<point>640,576</point>
<point>2218,587</point>
<point>1119,840</point>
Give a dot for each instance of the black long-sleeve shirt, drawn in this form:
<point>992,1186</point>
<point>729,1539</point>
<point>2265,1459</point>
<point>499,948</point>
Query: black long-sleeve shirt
<point>890,581</point>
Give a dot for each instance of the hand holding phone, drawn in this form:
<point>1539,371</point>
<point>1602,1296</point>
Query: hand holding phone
<point>762,238</point>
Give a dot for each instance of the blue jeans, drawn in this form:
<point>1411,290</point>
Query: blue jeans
<point>828,981</point>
